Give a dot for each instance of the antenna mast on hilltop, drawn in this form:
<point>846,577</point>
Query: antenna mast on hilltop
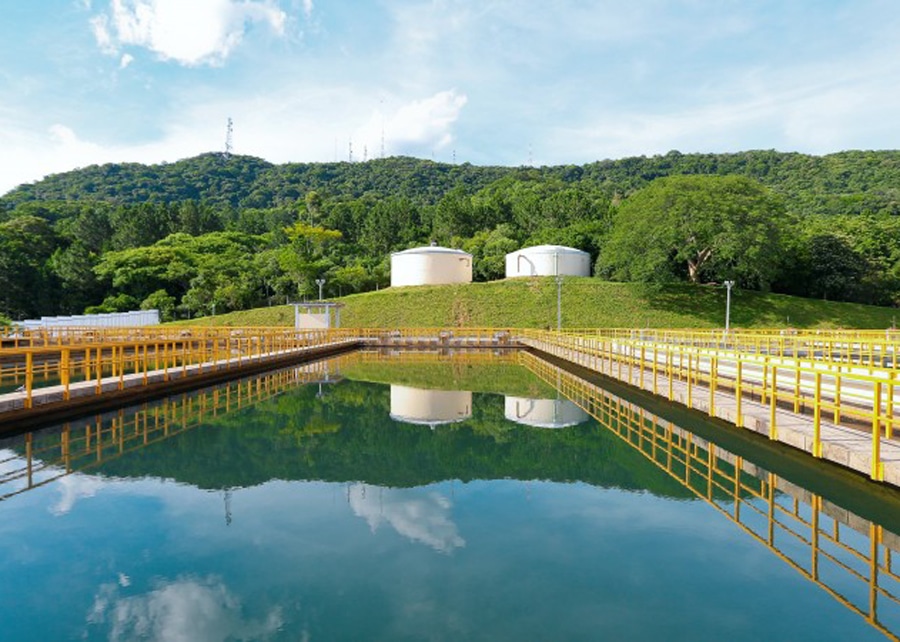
<point>381,111</point>
<point>228,139</point>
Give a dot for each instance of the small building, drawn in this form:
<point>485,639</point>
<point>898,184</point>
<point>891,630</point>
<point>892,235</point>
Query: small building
<point>548,260</point>
<point>430,265</point>
<point>429,407</point>
<point>543,413</point>
<point>317,315</point>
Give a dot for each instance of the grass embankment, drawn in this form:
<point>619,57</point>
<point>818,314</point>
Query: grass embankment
<point>586,303</point>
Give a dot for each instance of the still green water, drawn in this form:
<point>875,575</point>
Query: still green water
<point>368,498</point>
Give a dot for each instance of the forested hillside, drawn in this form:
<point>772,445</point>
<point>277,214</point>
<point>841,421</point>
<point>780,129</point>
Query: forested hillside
<point>229,233</point>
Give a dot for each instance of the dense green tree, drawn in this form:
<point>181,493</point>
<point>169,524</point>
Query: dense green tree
<point>162,301</point>
<point>304,259</point>
<point>28,287</point>
<point>698,228</point>
<point>489,250</point>
<point>852,198</point>
<point>120,302</point>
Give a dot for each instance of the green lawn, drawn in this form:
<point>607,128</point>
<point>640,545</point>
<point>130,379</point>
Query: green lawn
<point>586,302</point>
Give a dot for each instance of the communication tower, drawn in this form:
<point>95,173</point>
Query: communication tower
<point>228,139</point>
<point>381,111</point>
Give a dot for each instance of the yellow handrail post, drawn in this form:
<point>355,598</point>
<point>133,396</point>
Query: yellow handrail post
<point>99,369</point>
<point>29,377</point>
<point>837,397</point>
<point>773,430</point>
<point>817,416</point>
<point>738,393</point>
<point>889,410</point>
<point>877,465</point>
<point>64,372</point>
<point>669,369</point>
<point>121,367</point>
<point>641,367</point>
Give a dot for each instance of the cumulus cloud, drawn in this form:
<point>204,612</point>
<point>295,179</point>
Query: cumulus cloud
<point>192,33</point>
<point>416,127</point>
<point>419,518</point>
<point>188,610</point>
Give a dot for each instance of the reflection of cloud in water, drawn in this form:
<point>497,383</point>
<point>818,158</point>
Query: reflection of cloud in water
<point>421,518</point>
<point>10,461</point>
<point>188,610</point>
<point>72,488</point>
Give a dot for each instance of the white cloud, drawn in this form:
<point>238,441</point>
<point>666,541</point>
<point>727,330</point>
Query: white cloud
<point>186,610</point>
<point>75,487</point>
<point>419,518</point>
<point>192,33</point>
<point>815,109</point>
<point>419,126</point>
<point>307,8</point>
<point>126,60</point>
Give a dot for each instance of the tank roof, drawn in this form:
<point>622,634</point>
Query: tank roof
<point>431,249</point>
<point>549,249</point>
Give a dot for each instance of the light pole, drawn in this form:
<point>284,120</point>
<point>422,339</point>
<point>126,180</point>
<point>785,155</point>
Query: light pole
<point>728,286</point>
<point>320,283</point>
<point>559,281</point>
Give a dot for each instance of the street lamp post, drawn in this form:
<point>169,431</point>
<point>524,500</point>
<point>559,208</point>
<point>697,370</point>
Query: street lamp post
<point>728,286</point>
<point>559,281</point>
<point>320,283</point>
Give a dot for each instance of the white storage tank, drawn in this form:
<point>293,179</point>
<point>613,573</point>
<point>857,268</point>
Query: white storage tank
<point>544,413</point>
<point>429,407</point>
<point>548,260</point>
<point>430,265</point>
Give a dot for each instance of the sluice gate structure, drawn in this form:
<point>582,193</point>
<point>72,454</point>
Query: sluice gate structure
<point>832,394</point>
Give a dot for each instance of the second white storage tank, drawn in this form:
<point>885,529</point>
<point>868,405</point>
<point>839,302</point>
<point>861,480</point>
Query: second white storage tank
<point>548,260</point>
<point>544,413</point>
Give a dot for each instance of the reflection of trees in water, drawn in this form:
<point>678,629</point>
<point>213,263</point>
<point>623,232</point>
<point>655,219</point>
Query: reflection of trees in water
<point>347,435</point>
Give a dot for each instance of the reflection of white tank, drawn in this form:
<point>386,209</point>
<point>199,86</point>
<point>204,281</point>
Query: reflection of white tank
<point>544,413</point>
<point>548,260</point>
<point>430,407</point>
<point>430,265</point>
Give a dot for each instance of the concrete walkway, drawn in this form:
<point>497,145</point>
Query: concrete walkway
<point>847,446</point>
<point>13,404</point>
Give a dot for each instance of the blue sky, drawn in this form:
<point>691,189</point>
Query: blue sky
<point>506,82</point>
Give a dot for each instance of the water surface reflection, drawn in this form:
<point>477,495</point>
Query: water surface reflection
<point>279,508</point>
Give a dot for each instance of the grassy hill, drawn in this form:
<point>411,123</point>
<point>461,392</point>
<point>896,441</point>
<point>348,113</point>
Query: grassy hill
<point>586,302</point>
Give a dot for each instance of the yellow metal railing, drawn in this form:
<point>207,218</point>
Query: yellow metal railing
<point>842,378</point>
<point>62,336</point>
<point>701,377</point>
<point>777,514</point>
<point>106,363</point>
<point>878,348</point>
